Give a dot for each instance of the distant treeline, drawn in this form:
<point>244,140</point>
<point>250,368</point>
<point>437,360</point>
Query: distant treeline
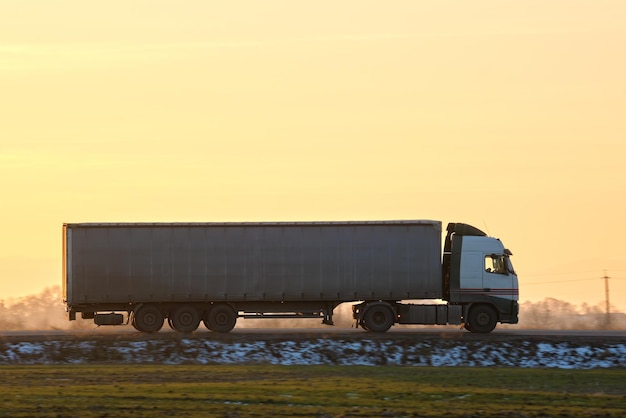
<point>552,313</point>
<point>46,311</point>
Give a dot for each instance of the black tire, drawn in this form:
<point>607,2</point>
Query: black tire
<point>482,319</point>
<point>221,318</point>
<point>378,318</point>
<point>148,318</point>
<point>185,318</point>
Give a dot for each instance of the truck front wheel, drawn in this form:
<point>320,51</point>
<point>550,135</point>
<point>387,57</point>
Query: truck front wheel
<point>482,319</point>
<point>148,318</point>
<point>221,318</point>
<point>378,318</point>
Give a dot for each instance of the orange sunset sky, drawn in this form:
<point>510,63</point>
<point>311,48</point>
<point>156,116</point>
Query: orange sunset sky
<point>508,115</point>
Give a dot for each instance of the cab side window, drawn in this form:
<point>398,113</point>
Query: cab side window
<point>495,264</point>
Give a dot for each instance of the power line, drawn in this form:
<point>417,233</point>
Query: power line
<point>558,281</point>
<point>607,303</point>
<point>568,281</point>
<point>571,273</point>
<point>564,273</point>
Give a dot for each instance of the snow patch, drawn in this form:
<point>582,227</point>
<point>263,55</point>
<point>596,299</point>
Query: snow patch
<point>439,353</point>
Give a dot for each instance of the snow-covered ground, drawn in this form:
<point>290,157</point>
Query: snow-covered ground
<point>317,351</point>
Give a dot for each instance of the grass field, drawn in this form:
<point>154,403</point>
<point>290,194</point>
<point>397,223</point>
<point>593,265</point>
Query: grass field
<point>316,391</point>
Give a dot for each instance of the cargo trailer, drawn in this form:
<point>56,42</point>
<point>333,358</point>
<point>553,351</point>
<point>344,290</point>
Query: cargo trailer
<point>147,274</point>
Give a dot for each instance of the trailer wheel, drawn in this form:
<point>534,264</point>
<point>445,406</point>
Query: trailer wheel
<point>221,318</point>
<point>148,318</point>
<point>185,318</point>
<point>482,319</point>
<point>378,318</point>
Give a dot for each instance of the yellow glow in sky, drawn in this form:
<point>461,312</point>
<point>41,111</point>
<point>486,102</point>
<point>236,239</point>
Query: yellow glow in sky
<point>510,116</point>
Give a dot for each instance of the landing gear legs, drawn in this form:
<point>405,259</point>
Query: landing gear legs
<point>328,317</point>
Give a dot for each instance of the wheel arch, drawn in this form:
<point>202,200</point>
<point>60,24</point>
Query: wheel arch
<point>363,307</point>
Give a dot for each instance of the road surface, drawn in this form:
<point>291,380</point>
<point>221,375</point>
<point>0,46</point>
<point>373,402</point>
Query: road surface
<point>326,332</point>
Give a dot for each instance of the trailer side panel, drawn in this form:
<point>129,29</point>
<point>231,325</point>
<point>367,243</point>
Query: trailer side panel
<point>204,262</point>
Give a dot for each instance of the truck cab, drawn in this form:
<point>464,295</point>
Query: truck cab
<point>478,274</point>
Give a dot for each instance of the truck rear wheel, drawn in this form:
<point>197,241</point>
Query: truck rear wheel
<point>221,318</point>
<point>378,318</point>
<point>185,318</point>
<point>482,319</point>
<point>148,318</point>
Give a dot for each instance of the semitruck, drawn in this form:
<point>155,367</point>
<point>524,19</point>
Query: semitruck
<point>394,272</point>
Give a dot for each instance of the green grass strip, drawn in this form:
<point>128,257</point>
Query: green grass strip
<point>307,391</point>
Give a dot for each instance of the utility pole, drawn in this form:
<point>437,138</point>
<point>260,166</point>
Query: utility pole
<point>606,299</point>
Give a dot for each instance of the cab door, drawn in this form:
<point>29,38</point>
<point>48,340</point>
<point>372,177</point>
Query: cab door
<point>498,280</point>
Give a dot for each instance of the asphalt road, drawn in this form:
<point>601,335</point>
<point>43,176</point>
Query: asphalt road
<point>395,332</point>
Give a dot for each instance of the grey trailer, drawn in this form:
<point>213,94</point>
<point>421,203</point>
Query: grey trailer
<point>302,269</point>
<point>185,273</point>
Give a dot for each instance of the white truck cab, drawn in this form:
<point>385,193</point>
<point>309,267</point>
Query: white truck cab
<point>481,278</point>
